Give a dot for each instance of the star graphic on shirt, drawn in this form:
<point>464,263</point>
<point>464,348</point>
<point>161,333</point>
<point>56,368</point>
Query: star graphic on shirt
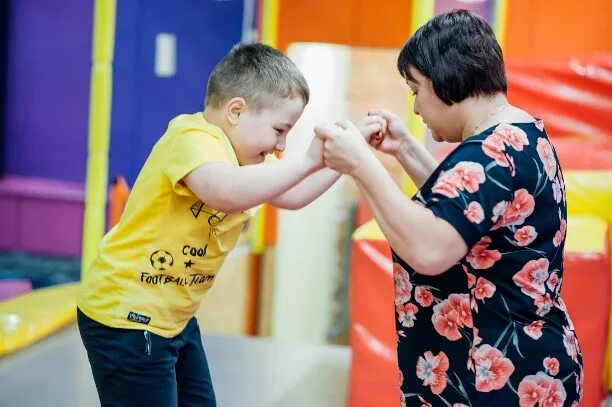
<point>188,264</point>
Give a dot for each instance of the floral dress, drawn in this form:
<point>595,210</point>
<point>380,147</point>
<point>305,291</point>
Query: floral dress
<point>493,329</point>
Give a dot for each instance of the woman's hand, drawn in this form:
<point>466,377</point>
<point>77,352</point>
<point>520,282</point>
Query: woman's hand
<point>372,128</point>
<point>345,147</point>
<point>395,133</point>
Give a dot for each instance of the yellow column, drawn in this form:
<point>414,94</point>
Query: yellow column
<point>500,15</point>
<point>269,22</point>
<point>269,36</point>
<point>422,11</point>
<point>100,99</point>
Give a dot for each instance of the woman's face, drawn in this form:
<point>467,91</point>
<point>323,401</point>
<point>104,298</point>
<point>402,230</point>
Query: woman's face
<point>444,121</point>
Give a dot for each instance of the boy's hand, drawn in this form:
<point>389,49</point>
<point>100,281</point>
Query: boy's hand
<point>345,148</point>
<point>372,128</point>
<point>314,154</point>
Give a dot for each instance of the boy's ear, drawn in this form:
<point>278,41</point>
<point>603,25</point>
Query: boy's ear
<point>235,107</point>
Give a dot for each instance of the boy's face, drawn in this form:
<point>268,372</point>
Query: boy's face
<point>258,133</point>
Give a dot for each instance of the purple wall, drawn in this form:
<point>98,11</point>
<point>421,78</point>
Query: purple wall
<point>48,79</point>
<point>484,8</point>
<point>48,88</point>
<point>47,98</point>
<point>143,103</point>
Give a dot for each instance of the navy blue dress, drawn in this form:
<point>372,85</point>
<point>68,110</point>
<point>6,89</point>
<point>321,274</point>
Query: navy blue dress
<point>493,329</point>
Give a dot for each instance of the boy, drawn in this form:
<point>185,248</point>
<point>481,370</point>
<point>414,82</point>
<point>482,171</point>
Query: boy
<point>184,214</point>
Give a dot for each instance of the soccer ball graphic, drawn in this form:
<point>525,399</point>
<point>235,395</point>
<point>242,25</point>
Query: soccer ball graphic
<point>161,260</point>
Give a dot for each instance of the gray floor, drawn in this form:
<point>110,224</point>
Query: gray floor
<point>246,372</point>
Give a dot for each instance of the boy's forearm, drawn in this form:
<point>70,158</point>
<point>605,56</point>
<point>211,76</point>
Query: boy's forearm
<point>234,189</point>
<point>416,161</point>
<point>307,190</point>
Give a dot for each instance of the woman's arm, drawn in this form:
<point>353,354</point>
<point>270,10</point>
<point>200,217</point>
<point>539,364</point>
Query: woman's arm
<point>410,153</point>
<point>428,244</point>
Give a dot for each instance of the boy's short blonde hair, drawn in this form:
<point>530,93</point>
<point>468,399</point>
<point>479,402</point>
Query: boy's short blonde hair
<point>259,74</point>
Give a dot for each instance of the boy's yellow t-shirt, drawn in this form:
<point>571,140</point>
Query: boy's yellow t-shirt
<point>157,263</point>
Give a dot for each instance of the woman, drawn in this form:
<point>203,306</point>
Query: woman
<point>478,251</point>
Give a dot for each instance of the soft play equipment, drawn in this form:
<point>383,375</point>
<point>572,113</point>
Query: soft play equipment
<point>14,287</point>
<point>28,318</point>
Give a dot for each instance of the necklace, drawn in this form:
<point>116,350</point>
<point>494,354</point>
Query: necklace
<point>499,109</point>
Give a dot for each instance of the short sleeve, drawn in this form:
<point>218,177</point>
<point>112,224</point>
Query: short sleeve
<point>472,190</point>
<point>190,150</point>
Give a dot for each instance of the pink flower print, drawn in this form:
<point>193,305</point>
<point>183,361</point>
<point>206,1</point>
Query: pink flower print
<point>543,304</point>
<point>539,123</point>
<point>557,192</point>
<point>541,390</point>
<point>534,330</point>
<point>480,257</point>
<point>551,365</point>
<point>406,314</point>
<point>484,289</point>
<point>562,226</point>
<point>423,296</point>
<point>432,370</point>
<point>517,211</point>
<point>580,383</point>
<point>529,392</point>
<point>471,278</point>
<point>512,135</point>
<point>446,320</point>
<point>525,235</point>
<point>461,304</point>
<point>470,361</point>
<point>552,282</point>
<point>403,287</point>
<point>447,185</point>
<point>470,175</point>
<point>554,392</point>
<point>571,344</point>
<point>494,147</point>
<point>492,369</point>
<point>547,155</point>
<point>512,166</point>
<point>498,210</point>
<point>558,239</point>
<point>562,183</point>
<point>477,339</point>
<point>474,212</point>
<point>560,235</point>
<point>532,276</point>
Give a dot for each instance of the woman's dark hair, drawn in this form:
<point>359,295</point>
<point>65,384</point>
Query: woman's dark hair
<point>459,53</point>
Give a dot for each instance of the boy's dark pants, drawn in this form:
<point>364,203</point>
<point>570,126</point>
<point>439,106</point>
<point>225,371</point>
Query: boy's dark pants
<point>138,368</point>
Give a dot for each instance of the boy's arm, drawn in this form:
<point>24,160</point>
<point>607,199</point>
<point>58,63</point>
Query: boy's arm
<point>307,190</point>
<point>235,189</point>
<point>314,185</point>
